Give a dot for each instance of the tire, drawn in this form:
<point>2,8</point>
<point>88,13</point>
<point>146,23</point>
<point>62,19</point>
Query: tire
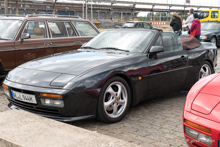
<point>112,107</point>
<point>205,70</point>
<point>213,40</point>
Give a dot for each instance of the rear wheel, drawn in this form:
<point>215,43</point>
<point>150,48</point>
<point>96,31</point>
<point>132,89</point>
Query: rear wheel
<point>114,100</point>
<point>205,70</point>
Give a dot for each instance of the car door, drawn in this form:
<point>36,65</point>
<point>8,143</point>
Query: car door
<point>36,46</point>
<point>167,68</point>
<point>63,36</point>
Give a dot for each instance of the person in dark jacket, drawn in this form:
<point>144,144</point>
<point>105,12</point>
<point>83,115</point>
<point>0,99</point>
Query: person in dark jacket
<point>196,25</point>
<point>176,23</point>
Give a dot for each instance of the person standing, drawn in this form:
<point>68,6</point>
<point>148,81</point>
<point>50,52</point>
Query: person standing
<point>189,18</point>
<point>176,23</point>
<point>196,27</point>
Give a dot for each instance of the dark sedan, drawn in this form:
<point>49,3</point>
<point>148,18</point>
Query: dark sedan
<point>116,69</point>
<point>210,32</point>
<point>139,24</point>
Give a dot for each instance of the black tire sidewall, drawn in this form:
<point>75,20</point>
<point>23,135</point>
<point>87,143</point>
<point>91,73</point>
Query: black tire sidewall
<point>101,115</point>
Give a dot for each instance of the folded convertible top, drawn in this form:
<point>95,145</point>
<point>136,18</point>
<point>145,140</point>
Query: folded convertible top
<point>190,43</point>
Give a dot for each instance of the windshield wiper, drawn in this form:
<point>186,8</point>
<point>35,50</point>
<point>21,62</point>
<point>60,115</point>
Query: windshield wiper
<point>88,47</point>
<point>114,48</point>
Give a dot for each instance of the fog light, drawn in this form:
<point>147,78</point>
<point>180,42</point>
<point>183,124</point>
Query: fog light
<point>52,102</point>
<point>190,132</point>
<point>203,37</point>
<point>198,136</point>
<point>205,139</point>
<point>48,101</point>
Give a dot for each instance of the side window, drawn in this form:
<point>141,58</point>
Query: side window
<point>36,29</point>
<point>58,29</point>
<point>171,42</point>
<point>139,25</point>
<point>146,25</point>
<point>85,29</point>
<point>69,29</point>
<point>159,41</point>
<point>214,14</point>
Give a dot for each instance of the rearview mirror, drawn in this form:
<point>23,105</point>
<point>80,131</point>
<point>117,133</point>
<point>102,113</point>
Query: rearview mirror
<point>156,49</point>
<point>25,36</point>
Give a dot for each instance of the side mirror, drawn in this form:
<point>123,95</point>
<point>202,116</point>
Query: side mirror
<point>156,49</point>
<point>25,36</point>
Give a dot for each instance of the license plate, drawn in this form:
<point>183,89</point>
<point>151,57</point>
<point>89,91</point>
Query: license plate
<point>24,97</point>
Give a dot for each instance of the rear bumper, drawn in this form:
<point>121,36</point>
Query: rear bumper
<point>214,126</point>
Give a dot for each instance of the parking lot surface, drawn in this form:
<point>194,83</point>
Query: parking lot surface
<point>156,122</point>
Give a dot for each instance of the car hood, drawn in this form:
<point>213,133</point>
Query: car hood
<point>58,69</point>
<point>208,32</point>
<point>207,102</point>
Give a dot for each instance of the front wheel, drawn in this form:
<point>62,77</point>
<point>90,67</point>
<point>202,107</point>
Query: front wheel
<point>114,100</point>
<point>205,70</point>
<point>213,40</point>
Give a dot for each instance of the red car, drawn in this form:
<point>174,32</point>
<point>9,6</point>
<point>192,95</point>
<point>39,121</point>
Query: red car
<point>201,114</point>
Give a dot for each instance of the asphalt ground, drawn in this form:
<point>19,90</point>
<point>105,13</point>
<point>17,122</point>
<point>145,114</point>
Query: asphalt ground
<point>156,122</point>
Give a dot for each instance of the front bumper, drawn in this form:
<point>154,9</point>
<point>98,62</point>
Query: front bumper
<point>77,106</point>
<point>214,126</point>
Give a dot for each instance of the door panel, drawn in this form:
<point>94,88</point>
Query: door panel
<point>169,69</point>
<point>31,49</point>
<point>7,55</point>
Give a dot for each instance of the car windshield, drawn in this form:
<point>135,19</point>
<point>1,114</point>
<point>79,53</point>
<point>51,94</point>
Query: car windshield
<point>210,26</point>
<point>9,28</point>
<point>203,15</point>
<point>128,24</point>
<point>127,40</point>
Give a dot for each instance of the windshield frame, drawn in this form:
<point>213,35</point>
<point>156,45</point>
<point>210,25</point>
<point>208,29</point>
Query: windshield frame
<point>144,48</point>
<point>19,29</point>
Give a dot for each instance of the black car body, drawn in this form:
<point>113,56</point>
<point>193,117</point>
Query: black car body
<point>94,81</point>
<point>210,32</point>
<point>139,24</point>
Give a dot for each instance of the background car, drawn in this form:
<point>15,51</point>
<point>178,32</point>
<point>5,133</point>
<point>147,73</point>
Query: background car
<point>210,32</point>
<point>26,38</point>
<point>201,121</point>
<point>114,70</point>
<point>139,24</point>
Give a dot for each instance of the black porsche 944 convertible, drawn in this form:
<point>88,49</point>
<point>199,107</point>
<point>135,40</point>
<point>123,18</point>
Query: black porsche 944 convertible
<point>115,70</point>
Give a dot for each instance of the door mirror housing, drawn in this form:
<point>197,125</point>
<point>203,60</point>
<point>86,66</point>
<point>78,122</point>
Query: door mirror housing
<point>25,36</point>
<point>156,49</point>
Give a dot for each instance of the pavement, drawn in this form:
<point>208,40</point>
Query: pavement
<point>156,122</point>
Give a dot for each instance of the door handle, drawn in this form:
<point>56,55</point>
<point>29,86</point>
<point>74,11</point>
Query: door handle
<point>183,58</point>
<point>48,43</point>
<point>77,42</point>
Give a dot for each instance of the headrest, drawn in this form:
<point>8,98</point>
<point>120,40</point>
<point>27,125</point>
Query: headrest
<point>39,31</point>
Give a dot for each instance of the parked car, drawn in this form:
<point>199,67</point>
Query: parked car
<point>210,32</point>
<point>114,70</point>
<point>201,121</point>
<point>139,24</point>
<point>25,38</point>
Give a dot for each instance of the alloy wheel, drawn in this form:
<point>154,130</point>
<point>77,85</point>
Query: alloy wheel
<point>115,99</point>
<point>205,70</point>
